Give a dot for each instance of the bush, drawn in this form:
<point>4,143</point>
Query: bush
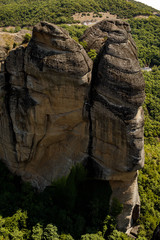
<point>97,236</point>
<point>92,54</point>
<point>65,237</point>
<point>84,44</point>
<point>17,29</point>
<point>37,232</point>
<point>117,235</point>
<point>50,233</point>
<point>27,38</point>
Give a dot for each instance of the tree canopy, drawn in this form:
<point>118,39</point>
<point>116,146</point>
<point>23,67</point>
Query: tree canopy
<point>30,12</point>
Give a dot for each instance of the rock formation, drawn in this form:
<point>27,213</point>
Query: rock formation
<point>58,109</point>
<point>117,93</point>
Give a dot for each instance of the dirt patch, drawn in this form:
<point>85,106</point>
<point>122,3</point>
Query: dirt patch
<point>6,40</point>
<point>8,29</point>
<point>141,17</point>
<point>88,18</point>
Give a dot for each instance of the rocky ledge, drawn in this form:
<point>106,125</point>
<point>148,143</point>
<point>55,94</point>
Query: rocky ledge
<point>59,109</point>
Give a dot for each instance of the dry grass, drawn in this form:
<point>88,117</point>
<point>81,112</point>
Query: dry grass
<point>92,17</point>
<point>6,40</point>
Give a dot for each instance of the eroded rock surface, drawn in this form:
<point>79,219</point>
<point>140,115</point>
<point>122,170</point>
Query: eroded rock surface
<point>46,87</point>
<point>117,93</point>
<point>59,110</point>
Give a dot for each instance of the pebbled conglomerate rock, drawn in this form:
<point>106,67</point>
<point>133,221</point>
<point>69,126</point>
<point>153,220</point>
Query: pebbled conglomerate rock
<point>60,109</point>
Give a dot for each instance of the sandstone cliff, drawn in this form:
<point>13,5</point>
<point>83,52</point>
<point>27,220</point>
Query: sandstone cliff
<point>58,109</point>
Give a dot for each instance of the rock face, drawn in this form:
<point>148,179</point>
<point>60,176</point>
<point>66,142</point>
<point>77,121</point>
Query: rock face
<point>117,93</point>
<point>46,86</point>
<point>59,109</point>
<point>156,234</point>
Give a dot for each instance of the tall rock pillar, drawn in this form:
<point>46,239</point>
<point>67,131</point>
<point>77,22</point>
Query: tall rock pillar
<point>117,93</point>
<point>59,109</point>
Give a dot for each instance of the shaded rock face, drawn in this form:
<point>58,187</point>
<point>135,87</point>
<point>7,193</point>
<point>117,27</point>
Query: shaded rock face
<point>60,109</point>
<point>156,234</point>
<point>117,93</point>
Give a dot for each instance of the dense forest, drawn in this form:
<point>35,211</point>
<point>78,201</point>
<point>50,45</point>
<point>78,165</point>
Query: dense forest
<point>76,207</point>
<point>146,33</point>
<point>29,12</point>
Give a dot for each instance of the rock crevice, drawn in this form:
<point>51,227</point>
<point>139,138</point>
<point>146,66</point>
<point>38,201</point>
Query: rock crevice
<point>60,109</point>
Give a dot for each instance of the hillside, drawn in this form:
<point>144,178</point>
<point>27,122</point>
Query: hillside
<point>29,12</point>
<point>33,220</point>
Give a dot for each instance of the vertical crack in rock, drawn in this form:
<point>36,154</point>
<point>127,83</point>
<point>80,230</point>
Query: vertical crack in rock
<point>90,144</point>
<point>7,103</point>
<point>88,164</point>
<point>59,117</point>
<point>91,165</point>
<point>118,93</point>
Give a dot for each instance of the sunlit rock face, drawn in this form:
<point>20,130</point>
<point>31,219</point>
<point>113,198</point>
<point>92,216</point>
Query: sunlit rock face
<point>59,109</point>
<point>46,87</point>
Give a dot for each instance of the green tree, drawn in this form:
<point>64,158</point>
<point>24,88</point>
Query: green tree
<point>97,236</point>
<point>50,233</point>
<point>27,38</point>
<point>37,232</point>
